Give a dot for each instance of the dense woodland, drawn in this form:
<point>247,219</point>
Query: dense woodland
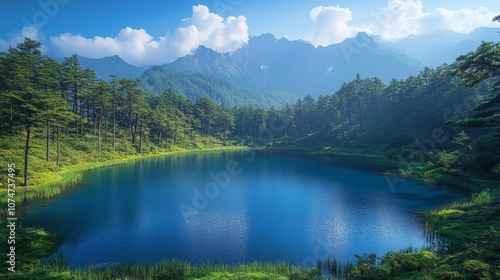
<point>441,121</point>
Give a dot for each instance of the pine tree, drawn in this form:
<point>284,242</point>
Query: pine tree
<point>24,81</point>
<point>482,65</point>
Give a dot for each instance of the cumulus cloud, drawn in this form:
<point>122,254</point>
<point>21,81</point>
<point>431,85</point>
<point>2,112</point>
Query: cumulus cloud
<point>137,47</point>
<point>397,20</point>
<point>331,25</point>
<point>18,36</point>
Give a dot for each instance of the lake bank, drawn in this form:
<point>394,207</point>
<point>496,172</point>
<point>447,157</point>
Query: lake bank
<point>265,200</point>
<point>446,218</point>
<point>70,175</point>
<point>469,231</point>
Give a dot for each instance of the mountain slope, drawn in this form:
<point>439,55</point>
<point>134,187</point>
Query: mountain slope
<point>158,79</point>
<point>111,65</point>
<point>297,66</point>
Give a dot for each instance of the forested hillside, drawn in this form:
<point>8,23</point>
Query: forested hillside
<point>194,86</point>
<point>68,109</point>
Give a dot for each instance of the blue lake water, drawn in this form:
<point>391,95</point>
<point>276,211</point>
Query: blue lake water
<point>231,207</point>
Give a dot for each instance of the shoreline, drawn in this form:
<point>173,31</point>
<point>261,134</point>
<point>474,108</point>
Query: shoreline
<point>70,176</point>
<point>379,160</point>
<point>427,216</point>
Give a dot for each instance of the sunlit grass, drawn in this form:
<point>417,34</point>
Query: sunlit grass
<point>175,269</point>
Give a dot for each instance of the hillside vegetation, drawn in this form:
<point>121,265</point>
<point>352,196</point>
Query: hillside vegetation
<point>194,86</point>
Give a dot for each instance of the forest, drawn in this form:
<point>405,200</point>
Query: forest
<point>440,126</point>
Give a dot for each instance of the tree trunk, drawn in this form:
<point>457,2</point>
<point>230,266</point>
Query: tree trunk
<point>140,140</point>
<point>159,135</point>
<point>167,139</point>
<point>75,99</point>
<point>26,150</point>
<point>48,141</point>
<point>58,147</point>
<point>94,123</point>
<point>114,116</point>
<point>99,132</point>
<point>105,129</point>
<point>114,125</point>
<point>136,127</point>
<point>80,123</point>
<point>175,135</point>
<point>11,117</point>
<point>75,109</point>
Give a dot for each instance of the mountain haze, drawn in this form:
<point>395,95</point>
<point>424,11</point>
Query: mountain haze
<point>297,66</point>
<point>443,47</point>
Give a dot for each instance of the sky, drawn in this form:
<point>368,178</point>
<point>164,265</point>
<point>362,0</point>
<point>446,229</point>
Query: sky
<point>150,32</point>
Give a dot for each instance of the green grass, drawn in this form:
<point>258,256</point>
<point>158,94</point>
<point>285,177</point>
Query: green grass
<point>174,269</point>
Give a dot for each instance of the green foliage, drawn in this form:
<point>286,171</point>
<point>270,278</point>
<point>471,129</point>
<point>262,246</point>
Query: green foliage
<point>445,159</point>
<point>182,270</point>
<point>32,245</point>
<point>477,270</point>
<point>477,67</point>
<point>195,86</point>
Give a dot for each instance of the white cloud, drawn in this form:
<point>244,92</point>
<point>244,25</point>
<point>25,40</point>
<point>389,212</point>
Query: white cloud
<point>18,36</point>
<point>397,20</point>
<point>464,20</point>
<point>137,47</point>
<point>331,25</point>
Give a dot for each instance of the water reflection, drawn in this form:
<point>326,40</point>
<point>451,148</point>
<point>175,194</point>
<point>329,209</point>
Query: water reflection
<point>278,208</point>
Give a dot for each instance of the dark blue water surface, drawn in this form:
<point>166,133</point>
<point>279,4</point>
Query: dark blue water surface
<point>234,207</point>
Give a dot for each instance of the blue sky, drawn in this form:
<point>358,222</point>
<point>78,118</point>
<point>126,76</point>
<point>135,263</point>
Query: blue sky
<point>157,30</point>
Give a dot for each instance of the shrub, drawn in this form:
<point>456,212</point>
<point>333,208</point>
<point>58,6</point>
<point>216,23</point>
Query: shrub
<point>475,269</point>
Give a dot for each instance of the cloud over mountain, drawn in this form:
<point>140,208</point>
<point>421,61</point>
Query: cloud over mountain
<point>397,20</point>
<point>137,47</point>
<point>331,25</point>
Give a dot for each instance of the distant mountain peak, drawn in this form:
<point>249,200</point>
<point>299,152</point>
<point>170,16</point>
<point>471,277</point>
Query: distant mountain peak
<point>362,34</point>
<point>265,38</point>
<point>297,66</point>
<point>111,65</point>
<point>364,38</point>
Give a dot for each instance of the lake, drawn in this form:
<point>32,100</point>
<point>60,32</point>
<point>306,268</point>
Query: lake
<point>231,207</point>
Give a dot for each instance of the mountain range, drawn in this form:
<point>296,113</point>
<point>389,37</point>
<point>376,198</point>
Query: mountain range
<point>270,66</point>
<point>111,65</point>
<point>297,66</point>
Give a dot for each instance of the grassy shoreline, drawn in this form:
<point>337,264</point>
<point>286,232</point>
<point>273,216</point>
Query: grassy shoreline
<point>456,224</point>
<point>71,175</point>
